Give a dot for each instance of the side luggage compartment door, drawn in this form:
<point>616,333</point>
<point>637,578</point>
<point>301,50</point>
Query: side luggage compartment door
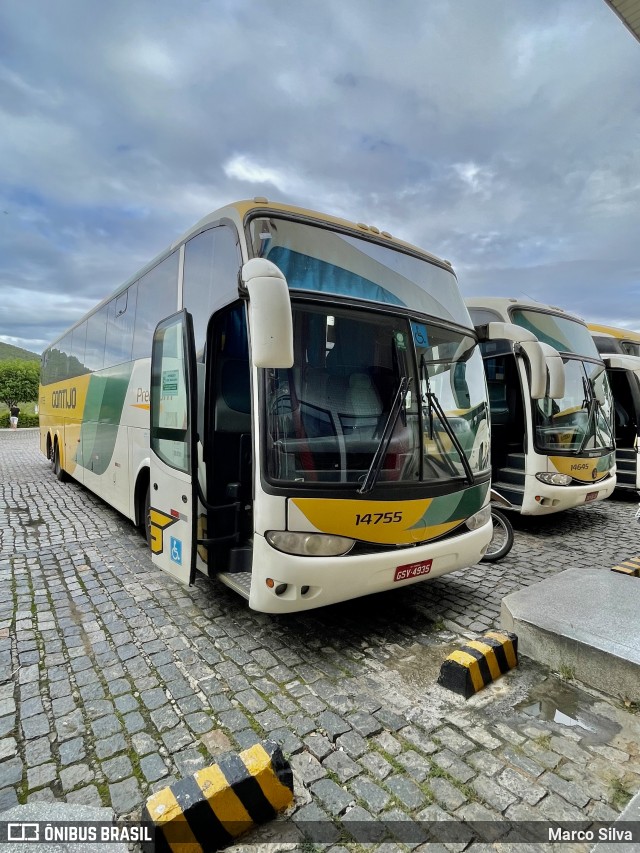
<point>173,438</point>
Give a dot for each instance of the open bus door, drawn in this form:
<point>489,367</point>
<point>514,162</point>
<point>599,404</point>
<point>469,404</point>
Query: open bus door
<point>174,470</point>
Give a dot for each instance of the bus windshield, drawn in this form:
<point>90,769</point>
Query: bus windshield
<point>326,261</point>
<point>562,333</point>
<point>375,398</point>
<point>582,419</point>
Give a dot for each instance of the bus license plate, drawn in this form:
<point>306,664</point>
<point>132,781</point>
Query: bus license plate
<point>590,496</point>
<point>412,570</point>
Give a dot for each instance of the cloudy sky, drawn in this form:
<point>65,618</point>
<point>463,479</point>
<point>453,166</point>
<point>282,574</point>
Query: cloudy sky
<point>503,135</point>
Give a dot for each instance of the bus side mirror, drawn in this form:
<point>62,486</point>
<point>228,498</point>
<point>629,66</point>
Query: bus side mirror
<point>538,366</point>
<point>527,343</point>
<point>270,320</point>
<point>555,367</point>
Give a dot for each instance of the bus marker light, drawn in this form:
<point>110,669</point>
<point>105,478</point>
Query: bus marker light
<point>175,513</point>
<point>281,589</point>
<point>270,583</point>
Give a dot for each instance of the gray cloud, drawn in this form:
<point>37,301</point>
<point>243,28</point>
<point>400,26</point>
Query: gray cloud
<point>501,138</point>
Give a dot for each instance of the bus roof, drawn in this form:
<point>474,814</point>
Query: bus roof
<point>238,212</point>
<point>614,332</point>
<point>503,304</point>
<point>550,324</point>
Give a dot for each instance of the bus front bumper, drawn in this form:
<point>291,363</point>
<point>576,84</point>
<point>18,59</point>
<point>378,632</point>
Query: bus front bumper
<point>317,581</point>
<point>544,499</point>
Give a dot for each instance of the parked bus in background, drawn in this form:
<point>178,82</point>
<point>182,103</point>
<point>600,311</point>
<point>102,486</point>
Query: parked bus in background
<point>558,452</point>
<point>308,422</point>
<point>620,351</point>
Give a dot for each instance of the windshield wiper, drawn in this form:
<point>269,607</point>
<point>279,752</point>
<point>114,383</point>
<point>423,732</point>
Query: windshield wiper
<point>381,450</point>
<point>594,405</point>
<point>433,404</point>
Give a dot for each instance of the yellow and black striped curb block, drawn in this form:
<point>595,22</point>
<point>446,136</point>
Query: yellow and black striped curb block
<point>479,662</point>
<point>628,567</point>
<point>208,810</point>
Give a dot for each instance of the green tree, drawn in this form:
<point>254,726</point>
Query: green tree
<point>19,381</point>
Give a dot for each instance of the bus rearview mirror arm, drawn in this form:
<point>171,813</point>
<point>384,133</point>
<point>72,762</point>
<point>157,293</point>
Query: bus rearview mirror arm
<point>270,320</point>
<point>525,342</point>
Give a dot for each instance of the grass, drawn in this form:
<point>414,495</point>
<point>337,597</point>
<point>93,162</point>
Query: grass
<point>25,408</point>
<point>567,672</point>
<point>620,794</point>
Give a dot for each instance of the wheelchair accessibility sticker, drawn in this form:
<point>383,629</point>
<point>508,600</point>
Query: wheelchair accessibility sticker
<point>176,551</point>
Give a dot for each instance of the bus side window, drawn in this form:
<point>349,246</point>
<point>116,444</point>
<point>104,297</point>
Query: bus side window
<point>96,334</point>
<point>211,264</point>
<point>156,300</point>
<point>122,312</point>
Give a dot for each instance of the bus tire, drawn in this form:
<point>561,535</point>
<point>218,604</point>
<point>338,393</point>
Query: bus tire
<point>58,470</point>
<point>146,517</point>
<point>503,536</point>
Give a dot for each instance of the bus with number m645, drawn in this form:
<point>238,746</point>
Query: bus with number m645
<point>620,351</point>
<point>286,401</point>
<point>553,452</point>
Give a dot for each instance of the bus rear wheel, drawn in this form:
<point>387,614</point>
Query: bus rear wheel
<point>58,470</point>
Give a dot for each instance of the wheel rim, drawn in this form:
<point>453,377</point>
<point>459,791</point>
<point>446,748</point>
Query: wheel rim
<point>499,538</point>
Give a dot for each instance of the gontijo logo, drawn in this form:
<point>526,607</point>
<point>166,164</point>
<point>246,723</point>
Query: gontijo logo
<point>66,398</point>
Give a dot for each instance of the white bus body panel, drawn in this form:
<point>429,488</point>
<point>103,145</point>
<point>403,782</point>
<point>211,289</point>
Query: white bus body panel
<point>171,523</point>
<point>334,579</point>
<point>558,498</point>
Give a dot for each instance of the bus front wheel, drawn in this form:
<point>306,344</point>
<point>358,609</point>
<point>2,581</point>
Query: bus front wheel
<point>146,518</point>
<point>502,539</point>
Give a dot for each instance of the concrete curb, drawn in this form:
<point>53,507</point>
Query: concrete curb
<point>630,814</point>
<point>208,810</point>
<point>584,620</point>
<point>479,662</point>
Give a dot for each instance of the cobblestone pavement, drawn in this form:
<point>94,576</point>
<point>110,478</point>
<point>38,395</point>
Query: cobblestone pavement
<point>115,680</point>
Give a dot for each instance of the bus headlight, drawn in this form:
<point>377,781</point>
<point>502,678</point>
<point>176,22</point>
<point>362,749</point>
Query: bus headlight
<point>554,479</point>
<point>309,544</point>
<point>479,519</point>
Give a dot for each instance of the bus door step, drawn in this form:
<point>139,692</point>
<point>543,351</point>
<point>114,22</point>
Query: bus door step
<point>239,582</point>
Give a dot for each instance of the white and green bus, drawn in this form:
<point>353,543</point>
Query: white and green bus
<point>289,402</point>
<point>556,452</point>
<point>620,351</point>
